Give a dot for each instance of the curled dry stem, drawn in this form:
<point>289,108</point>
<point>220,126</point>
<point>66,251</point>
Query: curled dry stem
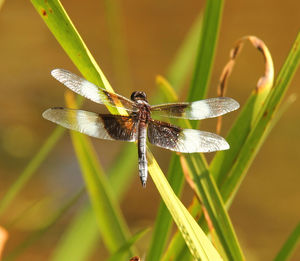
<point>266,81</point>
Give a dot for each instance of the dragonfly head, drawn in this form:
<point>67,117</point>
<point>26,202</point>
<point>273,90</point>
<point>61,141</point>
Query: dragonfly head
<point>135,96</point>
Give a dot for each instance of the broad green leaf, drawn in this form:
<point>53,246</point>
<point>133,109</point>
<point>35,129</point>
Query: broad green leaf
<point>199,245</point>
<point>32,166</point>
<point>163,219</point>
<point>289,245</point>
<point>177,248</point>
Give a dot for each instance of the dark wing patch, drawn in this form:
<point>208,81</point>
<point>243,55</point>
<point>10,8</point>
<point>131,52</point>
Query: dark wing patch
<point>120,127</point>
<point>107,126</point>
<point>163,134</point>
<point>171,137</point>
<point>92,91</point>
<point>197,110</point>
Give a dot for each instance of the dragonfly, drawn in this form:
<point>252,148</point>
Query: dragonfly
<point>138,124</point>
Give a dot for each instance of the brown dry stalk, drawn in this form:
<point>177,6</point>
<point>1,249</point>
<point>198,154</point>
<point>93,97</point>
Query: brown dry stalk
<point>264,82</point>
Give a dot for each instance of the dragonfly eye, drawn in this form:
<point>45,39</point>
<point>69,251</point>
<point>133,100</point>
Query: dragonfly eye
<point>138,96</point>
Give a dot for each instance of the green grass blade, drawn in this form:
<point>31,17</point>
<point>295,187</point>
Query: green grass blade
<point>30,240</point>
<point>177,249</point>
<point>118,255</point>
<point>163,219</point>
<point>54,11</point>
<point>169,93</point>
<point>264,121</point>
<point>223,160</point>
<point>64,249</point>
<point>176,75</point>
<point>257,135</point>
<point>289,245</point>
<point>60,25</point>
<point>212,200</point>
<point>199,245</point>
<point>185,56</point>
<point>30,169</point>
<point>109,218</point>
<point>54,16</point>
<point>86,61</point>
<point>62,28</point>
<point>207,190</point>
<point>206,50</point>
<point>177,246</point>
<point>72,237</point>
<point>72,246</point>
<point>57,20</point>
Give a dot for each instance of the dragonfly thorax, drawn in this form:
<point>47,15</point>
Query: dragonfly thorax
<point>144,113</point>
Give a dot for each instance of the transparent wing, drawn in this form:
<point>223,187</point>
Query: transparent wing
<point>106,126</point>
<point>171,137</point>
<point>197,110</point>
<point>91,91</point>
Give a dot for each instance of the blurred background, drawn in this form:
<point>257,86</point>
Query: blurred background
<point>266,207</point>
